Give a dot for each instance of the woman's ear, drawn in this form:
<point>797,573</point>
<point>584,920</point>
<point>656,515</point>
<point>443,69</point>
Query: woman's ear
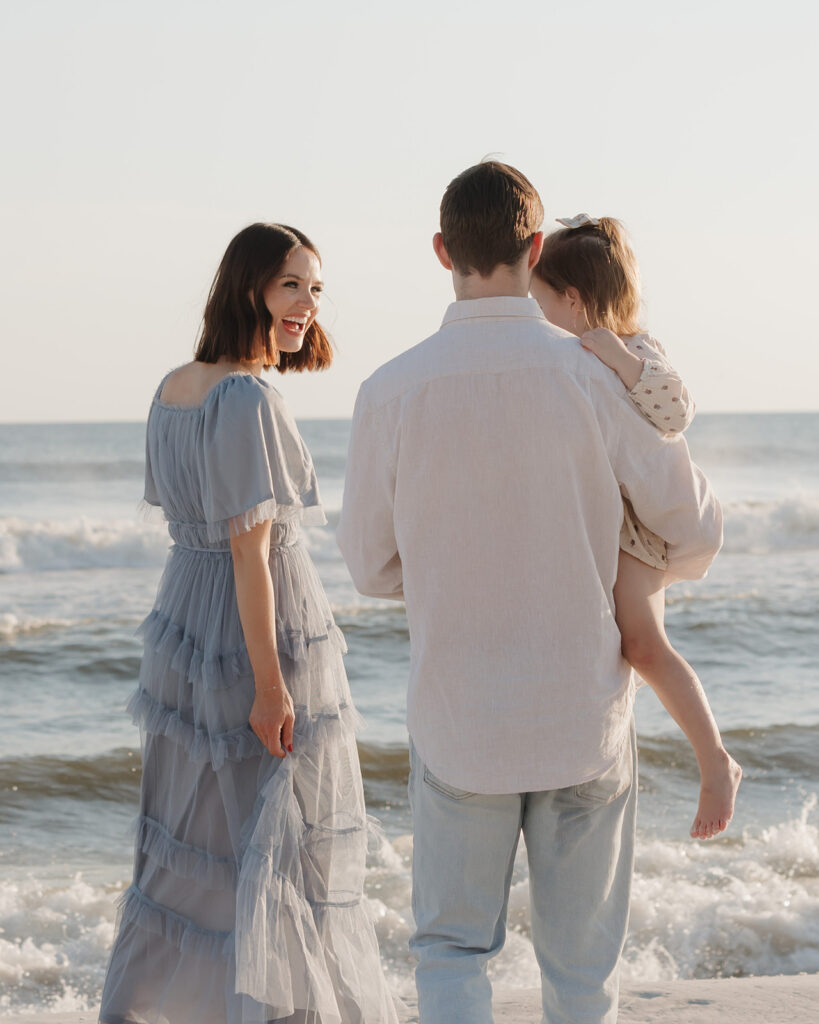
<point>440,251</point>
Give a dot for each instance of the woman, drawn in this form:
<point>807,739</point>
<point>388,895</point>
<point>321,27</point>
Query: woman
<point>247,901</point>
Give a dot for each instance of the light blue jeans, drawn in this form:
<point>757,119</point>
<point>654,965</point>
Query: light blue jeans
<point>580,847</point>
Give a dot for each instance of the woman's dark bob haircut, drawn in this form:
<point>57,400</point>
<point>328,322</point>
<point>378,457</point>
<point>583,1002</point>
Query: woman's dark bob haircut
<point>236,317</point>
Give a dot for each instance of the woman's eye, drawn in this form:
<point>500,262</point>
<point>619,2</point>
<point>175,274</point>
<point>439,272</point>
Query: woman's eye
<point>291,284</point>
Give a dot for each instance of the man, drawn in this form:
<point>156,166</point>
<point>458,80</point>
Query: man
<point>484,484</point>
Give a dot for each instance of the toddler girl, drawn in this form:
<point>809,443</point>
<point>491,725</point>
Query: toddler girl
<point>587,282</point>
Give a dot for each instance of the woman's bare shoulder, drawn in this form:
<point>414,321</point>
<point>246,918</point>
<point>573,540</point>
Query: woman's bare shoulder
<point>189,384</point>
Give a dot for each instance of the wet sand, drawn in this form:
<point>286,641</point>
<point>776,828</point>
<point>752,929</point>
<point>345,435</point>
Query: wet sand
<point>784,999</point>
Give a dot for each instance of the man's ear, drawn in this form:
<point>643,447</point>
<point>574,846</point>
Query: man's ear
<point>536,249</point>
<point>440,251</point>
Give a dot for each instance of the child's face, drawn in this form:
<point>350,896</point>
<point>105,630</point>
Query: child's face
<point>558,309</point>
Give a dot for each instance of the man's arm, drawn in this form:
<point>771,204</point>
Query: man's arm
<point>366,531</point>
<point>670,494</point>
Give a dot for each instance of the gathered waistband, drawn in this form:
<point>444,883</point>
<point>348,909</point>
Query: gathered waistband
<point>193,537</point>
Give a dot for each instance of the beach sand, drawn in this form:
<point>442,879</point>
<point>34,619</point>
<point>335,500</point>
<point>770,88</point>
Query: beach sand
<point>791,999</point>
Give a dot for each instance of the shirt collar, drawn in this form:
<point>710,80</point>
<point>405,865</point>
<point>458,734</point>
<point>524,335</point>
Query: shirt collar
<point>496,306</point>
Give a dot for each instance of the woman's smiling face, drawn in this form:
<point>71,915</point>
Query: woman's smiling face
<point>292,298</point>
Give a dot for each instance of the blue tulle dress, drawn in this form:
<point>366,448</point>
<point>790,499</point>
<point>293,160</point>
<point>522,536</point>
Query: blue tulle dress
<point>247,899</point>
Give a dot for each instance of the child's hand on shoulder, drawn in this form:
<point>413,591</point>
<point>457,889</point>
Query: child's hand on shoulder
<point>611,350</point>
<point>605,344</point>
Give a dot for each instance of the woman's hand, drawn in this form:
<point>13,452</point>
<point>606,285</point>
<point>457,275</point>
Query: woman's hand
<point>611,350</point>
<point>272,718</point>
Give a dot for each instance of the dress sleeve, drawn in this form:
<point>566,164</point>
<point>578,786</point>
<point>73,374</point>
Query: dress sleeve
<point>256,466</point>
<point>660,394</point>
<point>150,496</point>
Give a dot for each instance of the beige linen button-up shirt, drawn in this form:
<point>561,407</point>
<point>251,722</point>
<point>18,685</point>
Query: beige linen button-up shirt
<point>484,483</point>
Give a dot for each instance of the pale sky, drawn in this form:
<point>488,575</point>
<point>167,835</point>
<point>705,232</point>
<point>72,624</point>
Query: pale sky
<point>139,138</point>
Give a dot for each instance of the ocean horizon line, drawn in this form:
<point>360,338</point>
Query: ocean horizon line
<point>347,419</point>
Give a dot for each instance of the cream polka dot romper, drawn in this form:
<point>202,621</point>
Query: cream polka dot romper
<point>663,399</point>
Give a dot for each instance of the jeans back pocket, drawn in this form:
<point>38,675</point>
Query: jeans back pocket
<point>611,784</point>
<point>444,788</point>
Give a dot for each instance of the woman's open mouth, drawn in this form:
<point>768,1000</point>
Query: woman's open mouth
<point>295,325</point>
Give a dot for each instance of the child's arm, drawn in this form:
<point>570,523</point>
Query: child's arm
<point>654,386</point>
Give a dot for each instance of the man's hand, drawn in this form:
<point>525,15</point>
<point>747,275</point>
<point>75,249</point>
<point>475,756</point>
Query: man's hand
<point>612,351</point>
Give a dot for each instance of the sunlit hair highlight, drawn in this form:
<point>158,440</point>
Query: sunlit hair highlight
<point>236,317</point>
<point>599,262</point>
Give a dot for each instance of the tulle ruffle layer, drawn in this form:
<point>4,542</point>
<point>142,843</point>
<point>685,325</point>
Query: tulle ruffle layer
<point>329,956</point>
<point>250,869</point>
<point>184,859</point>
<point>219,670</point>
<point>291,955</point>
<point>201,744</point>
<point>194,633</point>
<point>303,938</point>
<point>136,909</point>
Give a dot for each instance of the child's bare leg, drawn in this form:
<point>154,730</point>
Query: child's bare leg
<point>639,596</point>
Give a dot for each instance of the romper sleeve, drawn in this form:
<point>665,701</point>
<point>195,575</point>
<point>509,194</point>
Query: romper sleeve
<point>670,495</point>
<point>256,466</point>
<point>660,394</point>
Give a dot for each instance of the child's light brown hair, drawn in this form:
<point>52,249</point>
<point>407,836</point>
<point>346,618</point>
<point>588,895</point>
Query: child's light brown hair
<point>489,215</point>
<point>599,262</point>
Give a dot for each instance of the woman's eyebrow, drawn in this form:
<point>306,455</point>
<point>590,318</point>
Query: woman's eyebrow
<point>297,278</point>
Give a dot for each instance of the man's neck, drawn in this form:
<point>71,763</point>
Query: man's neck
<point>502,281</point>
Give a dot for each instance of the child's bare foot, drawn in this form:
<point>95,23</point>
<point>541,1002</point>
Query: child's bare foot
<point>718,790</point>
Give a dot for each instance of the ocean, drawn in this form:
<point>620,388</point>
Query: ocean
<point>78,571</point>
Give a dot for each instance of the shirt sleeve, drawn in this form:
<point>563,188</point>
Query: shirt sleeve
<point>256,466</point>
<point>366,531</point>
<point>669,493</point>
<point>660,394</point>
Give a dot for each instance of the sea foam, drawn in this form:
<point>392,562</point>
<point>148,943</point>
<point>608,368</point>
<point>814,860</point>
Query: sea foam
<point>13,626</point>
<point>84,543</point>
<point>751,527</point>
<point>758,527</point>
<point>45,545</point>
<point>747,904</point>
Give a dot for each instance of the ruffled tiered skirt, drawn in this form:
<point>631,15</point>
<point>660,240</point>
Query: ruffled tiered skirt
<point>247,902</point>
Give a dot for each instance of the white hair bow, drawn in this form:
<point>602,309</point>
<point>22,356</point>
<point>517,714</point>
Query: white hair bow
<point>580,221</point>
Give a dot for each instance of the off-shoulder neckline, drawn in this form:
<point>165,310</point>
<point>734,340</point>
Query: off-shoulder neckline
<point>174,407</point>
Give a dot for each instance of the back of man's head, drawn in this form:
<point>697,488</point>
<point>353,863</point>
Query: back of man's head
<point>489,215</point>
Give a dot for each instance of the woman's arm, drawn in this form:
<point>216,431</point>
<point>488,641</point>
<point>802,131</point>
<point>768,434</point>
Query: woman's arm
<point>271,716</point>
<point>653,385</point>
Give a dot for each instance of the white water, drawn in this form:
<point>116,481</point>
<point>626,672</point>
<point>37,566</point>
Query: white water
<point>742,905</point>
<point>84,542</point>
